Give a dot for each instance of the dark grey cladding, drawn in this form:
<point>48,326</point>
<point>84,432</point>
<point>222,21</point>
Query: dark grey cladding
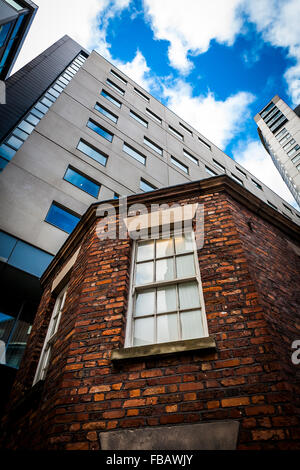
<point>25,87</point>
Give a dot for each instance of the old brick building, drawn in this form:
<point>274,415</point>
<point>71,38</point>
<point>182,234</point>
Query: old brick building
<point>216,373</point>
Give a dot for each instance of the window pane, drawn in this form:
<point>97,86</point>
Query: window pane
<point>100,130</point>
<point>82,182</point>
<point>106,113</point>
<point>185,266</point>
<point>143,331</point>
<point>164,269</point>
<point>29,259</point>
<point>37,113</point>
<point>62,218</point>
<point>25,126</point>
<point>144,304</point>
<point>144,186</point>
<point>7,152</point>
<point>191,325</point>
<point>14,142</point>
<point>92,153</point>
<point>145,251</point>
<point>144,273</point>
<point>153,146</point>
<point>166,299</point>
<point>111,98</point>
<point>184,243</point>
<point>40,107</point>
<point>134,153</point>
<point>188,295</point>
<point>53,92</point>
<point>164,248</point>
<point>46,102</point>
<point>167,329</point>
<point>22,135</point>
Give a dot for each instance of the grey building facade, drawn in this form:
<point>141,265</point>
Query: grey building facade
<point>89,133</point>
<point>16,17</point>
<point>279,131</point>
<point>22,260</point>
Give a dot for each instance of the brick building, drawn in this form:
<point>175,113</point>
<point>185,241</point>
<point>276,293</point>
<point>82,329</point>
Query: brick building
<point>124,352</point>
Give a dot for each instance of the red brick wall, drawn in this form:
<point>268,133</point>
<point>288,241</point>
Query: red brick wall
<point>248,377</point>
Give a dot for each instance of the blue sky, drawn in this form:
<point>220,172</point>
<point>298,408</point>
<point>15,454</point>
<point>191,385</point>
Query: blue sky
<point>215,64</point>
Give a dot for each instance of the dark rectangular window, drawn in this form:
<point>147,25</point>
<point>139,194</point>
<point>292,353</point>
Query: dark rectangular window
<point>179,165</point>
<point>93,153</point>
<point>204,143</point>
<point>287,207</point>
<point>237,179</point>
<point>154,116</point>
<point>62,218</point>
<point>134,153</point>
<point>100,130</point>
<point>82,182</point>
<point>141,94</point>
<point>145,186</point>
<point>221,167</point>
<point>115,87</point>
<point>256,184</point>
<point>191,157</point>
<point>267,110</point>
<point>241,171</point>
<point>106,112</point>
<point>153,146</point>
<point>186,129</point>
<point>138,118</point>
<point>115,74</point>
<point>272,205</point>
<point>176,133</point>
<point>210,171</point>
<point>111,98</point>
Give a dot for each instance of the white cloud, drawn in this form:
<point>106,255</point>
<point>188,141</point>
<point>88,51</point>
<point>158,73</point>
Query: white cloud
<point>252,155</point>
<point>84,21</point>
<point>217,120</point>
<point>138,71</point>
<point>191,25</point>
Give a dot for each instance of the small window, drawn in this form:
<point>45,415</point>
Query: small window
<point>296,159</point>
<point>93,153</point>
<point>154,116</point>
<point>25,126</point>
<point>293,151</point>
<point>82,182</point>
<point>288,145</point>
<point>190,157</point>
<point>111,98</point>
<point>42,108</point>
<point>153,146</point>
<point>281,133</point>
<point>221,167</point>
<point>115,74</point>
<point>141,94</point>
<point>278,124</point>
<point>210,171</point>
<point>273,114</point>
<point>14,142</point>
<point>204,143</point>
<point>285,138</point>
<point>272,205</point>
<point>100,130</point>
<point>7,152</point>
<point>106,112</point>
<point>241,171</point>
<point>62,218</point>
<point>267,110</point>
<point>256,184</point>
<point>176,133</point>
<point>45,356</point>
<point>134,153</point>
<point>287,207</point>
<point>115,87</point>
<point>145,186</point>
<point>237,179</point>
<point>138,118</point>
<point>180,165</point>
<point>167,302</point>
<point>186,129</point>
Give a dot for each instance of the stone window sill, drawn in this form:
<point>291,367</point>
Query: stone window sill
<point>162,349</point>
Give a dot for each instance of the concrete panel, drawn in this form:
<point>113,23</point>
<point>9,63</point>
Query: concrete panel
<point>221,435</point>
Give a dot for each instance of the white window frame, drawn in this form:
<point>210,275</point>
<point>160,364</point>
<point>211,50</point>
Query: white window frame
<point>158,284</point>
<point>45,356</point>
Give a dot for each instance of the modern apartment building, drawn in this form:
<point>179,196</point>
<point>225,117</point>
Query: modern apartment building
<point>75,131</point>
<point>16,17</point>
<point>279,132</point>
<point>22,260</point>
